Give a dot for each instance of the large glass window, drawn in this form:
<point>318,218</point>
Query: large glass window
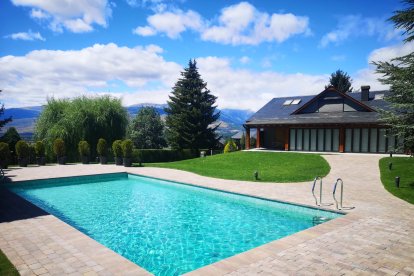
<point>348,140</point>
<point>364,139</point>
<point>335,140</point>
<point>306,139</point>
<point>321,139</point>
<point>328,139</point>
<point>299,137</point>
<point>381,140</point>
<point>292,142</point>
<point>391,142</point>
<point>356,146</point>
<point>373,140</point>
<point>313,139</point>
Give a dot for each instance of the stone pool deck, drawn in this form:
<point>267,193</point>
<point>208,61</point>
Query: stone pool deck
<point>374,238</point>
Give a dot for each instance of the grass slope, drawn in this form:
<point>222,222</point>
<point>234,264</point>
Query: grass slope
<point>6,268</point>
<point>402,167</point>
<point>272,166</point>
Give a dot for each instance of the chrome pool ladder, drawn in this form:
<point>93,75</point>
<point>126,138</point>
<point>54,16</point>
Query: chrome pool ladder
<point>320,192</point>
<point>340,206</point>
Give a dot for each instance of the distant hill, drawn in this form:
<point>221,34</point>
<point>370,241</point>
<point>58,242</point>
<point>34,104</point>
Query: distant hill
<point>231,120</point>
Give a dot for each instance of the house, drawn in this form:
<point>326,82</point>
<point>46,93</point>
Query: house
<point>238,136</point>
<point>328,122</point>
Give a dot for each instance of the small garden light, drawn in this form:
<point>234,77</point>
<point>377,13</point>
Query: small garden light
<point>256,175</point>
<point>397,181</point>
<point>390,166</point>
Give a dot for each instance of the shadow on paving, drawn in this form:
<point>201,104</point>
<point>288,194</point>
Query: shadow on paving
<point>13,207</point>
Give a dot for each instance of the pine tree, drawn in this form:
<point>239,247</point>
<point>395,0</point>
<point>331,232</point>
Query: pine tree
<point>191,112</point>
<point>147,129</point>
<point>399,74</point>
<point>341,81</point>
<point>4,121</point>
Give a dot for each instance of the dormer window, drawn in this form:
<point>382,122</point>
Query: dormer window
<point>379,96</point>
<point>287,102</point>
<point>296,101</point>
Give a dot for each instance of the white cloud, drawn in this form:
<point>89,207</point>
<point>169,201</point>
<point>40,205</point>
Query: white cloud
<point>171,23</point>
<point>338,57</point>
<point>390,52</point>
<point>358,26</point>
<point>244,60</point>
<point>26,36</point>
<point>244,24</point>
<point>29,79</point>
<point>237,24</point>
<point>75,16</point>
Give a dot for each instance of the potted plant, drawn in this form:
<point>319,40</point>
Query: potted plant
<point>102,150</point>
<point>117,150</point>
<point>60,151</point>
<point>127,147</point>
<point>84,151</point>
<point>23,153</point>
<point>5,155</point>
<point>40,153</point>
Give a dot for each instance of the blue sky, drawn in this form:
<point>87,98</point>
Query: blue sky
<point>248,52</point>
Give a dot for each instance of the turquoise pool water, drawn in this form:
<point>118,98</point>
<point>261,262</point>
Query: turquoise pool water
<point>165,227</point>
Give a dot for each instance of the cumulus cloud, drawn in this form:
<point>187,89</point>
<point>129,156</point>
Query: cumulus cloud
<point>390,52</point>
<point>76,16</point>
<point>244,24</point>
<point>29,35</point>
<point>142,75</point>
<point>29,79</point>
<point>357,26</point>
<point>171,23</point>
<point>237,24</point>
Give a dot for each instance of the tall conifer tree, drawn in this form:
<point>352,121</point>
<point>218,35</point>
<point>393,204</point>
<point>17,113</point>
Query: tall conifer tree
<point>191,112</point>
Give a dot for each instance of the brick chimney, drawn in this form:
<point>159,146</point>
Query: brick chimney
<point>365,92</point>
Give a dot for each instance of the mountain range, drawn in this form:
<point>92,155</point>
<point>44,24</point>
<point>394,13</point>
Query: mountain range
<point>24,118</point>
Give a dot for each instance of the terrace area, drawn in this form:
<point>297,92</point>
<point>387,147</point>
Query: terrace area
<point>376,237</point>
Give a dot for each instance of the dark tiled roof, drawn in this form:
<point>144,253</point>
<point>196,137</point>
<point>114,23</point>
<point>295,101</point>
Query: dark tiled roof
<point>274,112</point>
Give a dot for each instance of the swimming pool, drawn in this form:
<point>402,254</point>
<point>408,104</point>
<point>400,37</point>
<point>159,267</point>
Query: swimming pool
<point>165,227</point>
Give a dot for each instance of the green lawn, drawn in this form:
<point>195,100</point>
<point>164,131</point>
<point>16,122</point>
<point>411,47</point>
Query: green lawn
<point>402,167</point>
<point>272,166</point>
<point>6,268</point>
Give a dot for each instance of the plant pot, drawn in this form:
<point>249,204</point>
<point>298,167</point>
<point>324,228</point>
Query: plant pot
<point>23,162</point>
<point>85,159</point>
<point>103,160</point>
<point>118,161</point>
<point>61,160</point>
<point>41,161</point>
<point>127,162</point>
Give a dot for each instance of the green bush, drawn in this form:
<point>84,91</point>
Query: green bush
<point>162,155</point>
<point>127,147</point>
<point>117,148</point>
<point>101,147</point>
<point>83,148</point>
<point>22,149</point>
<point>59,147</point>
<point>5,154</point>
<point>230,146</point>
<point>32,153</point>
<point>39,149</point>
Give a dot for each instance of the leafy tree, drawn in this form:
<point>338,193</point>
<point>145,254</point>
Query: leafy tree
<point>230,146</point>
<point>147,130</point>
<point>11,137</point>
<point>191,112</point>
<point>341,81</point>
<point>79,119</point>
<point>399,74</point>
<point>4,121</point>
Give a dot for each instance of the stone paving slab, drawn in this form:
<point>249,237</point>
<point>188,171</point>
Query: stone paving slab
<point>375,238</point>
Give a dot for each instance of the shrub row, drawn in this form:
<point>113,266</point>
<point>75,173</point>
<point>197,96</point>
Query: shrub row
<point>162,155</point>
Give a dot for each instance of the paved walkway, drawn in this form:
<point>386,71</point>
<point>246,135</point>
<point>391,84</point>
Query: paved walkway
<point>377,237</point>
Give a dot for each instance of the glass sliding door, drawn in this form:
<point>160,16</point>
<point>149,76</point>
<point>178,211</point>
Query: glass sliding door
<point>292,140</point>
<point>313,139</point>
<point>381,140</point>
<point>321,139</point>
<point>306,138</point>
<point>348,140</point>
<point>335,140</point>
<point>299,138</point>
<point>391,142</point>
<point>373,140</point>
<point>356,145</point>
<point>364,139</point>
<point>328,139</point>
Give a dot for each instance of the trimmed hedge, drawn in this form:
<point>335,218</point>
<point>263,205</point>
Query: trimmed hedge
<point>162,155</point>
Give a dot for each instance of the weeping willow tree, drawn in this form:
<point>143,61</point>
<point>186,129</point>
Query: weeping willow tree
<point>79,119</point>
